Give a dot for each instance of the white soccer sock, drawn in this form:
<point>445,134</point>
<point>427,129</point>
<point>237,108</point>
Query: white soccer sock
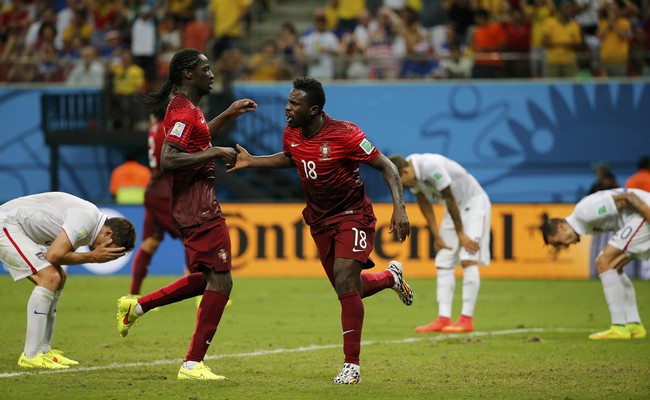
<point>631,309</point>
<point>51,319</point>
<point>471,285</point>
<point>446,283</point>
<point>38,309</point>
<point>615,296</point>
<point>190,364</point>
<point>138,310</point>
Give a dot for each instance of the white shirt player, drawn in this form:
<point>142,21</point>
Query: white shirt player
<point>434,173</point>
<point>42,216</point>
<point>597,213</point>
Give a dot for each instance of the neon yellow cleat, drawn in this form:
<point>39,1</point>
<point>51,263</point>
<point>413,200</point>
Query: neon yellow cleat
<point>58,357</point>
<point>199,372</point>
<point>637,331</point>
<point>615,332</point>
<point>126,317</point>
<point>39,361</point>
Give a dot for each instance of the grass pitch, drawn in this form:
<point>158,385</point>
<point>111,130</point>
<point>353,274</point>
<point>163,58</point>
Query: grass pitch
<point>281,340</point>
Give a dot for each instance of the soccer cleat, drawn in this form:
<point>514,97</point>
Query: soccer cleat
<point>462,325</point>
<point>126,317</point>
<point>349,375</point>
<point>58,357</point>
<point>637,331</point>
<point>199,372</point>
<point>402,288</point>
<point>614,332</point>
<point>40,361</point>
<point>434,326</point>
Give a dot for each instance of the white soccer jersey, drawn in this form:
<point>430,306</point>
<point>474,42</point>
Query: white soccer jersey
<point>434,173</point>
<point>42,216</point>
<point>597,212</point>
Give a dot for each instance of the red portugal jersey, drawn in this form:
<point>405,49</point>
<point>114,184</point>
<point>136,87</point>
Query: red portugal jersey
<point>193,196</point>
<point>328,166</point>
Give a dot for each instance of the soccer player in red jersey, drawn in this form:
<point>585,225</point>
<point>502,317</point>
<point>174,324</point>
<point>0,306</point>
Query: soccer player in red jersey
<point>157,215</point>
<point>188,155</point>
<point>326,153</point>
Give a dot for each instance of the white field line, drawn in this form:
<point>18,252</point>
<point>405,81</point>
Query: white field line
<point>258,353</point>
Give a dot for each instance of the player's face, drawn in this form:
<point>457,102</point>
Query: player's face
<point>202,76</point>
<point>105,236</point>
<point>407,175</point>
<point>564,237</point>
<point>297,111</point>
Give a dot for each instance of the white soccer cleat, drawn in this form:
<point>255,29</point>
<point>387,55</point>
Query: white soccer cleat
<point>349,375</point>
<point>402,288</point>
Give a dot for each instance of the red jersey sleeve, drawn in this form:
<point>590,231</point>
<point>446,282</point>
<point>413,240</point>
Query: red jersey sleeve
<point>358,147</point>
<point>179,126</point>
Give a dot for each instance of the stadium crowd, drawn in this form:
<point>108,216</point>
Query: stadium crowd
<point>128,44</point>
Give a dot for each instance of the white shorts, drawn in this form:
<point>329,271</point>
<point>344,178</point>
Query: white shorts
<point>475,216</point>
<point>20,255</point>
<point>633,238</point>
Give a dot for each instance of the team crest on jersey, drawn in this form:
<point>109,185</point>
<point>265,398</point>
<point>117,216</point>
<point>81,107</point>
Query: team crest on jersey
<point>178,129</point>
<point>40,256</point>
<point>602,210</point>
<point>325,152</point>
<point>81,233</point>
<point>223,256</point>
<point>366,146</point>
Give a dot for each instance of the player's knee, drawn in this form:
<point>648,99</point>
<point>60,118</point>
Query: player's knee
<point>602,264</point>
<point>467,263</point>
<point>50,278</point>
<point>150,245</point>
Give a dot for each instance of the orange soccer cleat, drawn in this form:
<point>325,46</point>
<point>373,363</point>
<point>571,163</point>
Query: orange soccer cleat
<point>434,326</point>
<point>461,325</point>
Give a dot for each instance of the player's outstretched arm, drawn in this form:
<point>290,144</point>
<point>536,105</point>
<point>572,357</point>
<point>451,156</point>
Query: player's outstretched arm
<point>399,222</point>
<point>173,159</point>
<point>246,160</point>
<point>236,109</point>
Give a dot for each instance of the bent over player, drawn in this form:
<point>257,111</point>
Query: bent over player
<point>326,153</point>
<point>627,213</point>
<point>464,234</point>
<point>38,235</point>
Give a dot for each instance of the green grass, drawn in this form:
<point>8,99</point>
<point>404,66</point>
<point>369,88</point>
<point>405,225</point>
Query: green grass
<point>261,345</point>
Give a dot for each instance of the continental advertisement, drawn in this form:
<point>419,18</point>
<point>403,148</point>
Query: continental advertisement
<point>273,240</point>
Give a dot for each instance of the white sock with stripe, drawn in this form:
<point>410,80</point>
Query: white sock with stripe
<point>471,285</point>
<point>51,319</point>
<point>615,296</point>
<point>631,309</point>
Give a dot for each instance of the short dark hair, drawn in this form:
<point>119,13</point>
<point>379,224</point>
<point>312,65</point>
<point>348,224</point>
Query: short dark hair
<point>123,232</point>
<point>399,161</point>
<point>313,89</point>
<point>549,228</point>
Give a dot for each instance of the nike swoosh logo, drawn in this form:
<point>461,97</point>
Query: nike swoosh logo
<point>40,313</point>
<point>295,144</point>
<point>208,342</point>
<point>126,317</point>
<point>351,330</point>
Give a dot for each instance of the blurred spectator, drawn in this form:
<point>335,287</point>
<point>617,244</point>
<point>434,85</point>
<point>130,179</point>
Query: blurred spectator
<point>290,50</point>
<point>419,61</point>
<point>352,62</point>
<point>458,65</point>
<point>267,64</point>
<point>79,27</point>
<point>489,40</point>
<point>562,39</point>
<point>170,38</point>
<point>395,5</point>
<point>63,19</point>
<point>586,14</point>
<point>348,12</point>
<point>34,31</point>
<point>197,33</point>
<point>182,11</point>
<point>330,10</point>
<point>320,47</point>
<point>227,17</point>
<point>461,16</point>
<point>111,52</point>
<point>385,45</point>
<point>48,63</point>
<point>614,35</point>
<point>641,178</point>
<point>361,32</point>
<point>434,19</point>
<point>517,31</point>
<point>537,14</point>
<point>127,80</point>
<point>144,33</point>
<point>129,181</point>
<point>104,14</point>
<point>88,71</point>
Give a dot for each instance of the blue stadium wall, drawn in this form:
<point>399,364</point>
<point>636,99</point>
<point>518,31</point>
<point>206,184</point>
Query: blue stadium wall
<point>526,142</point>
